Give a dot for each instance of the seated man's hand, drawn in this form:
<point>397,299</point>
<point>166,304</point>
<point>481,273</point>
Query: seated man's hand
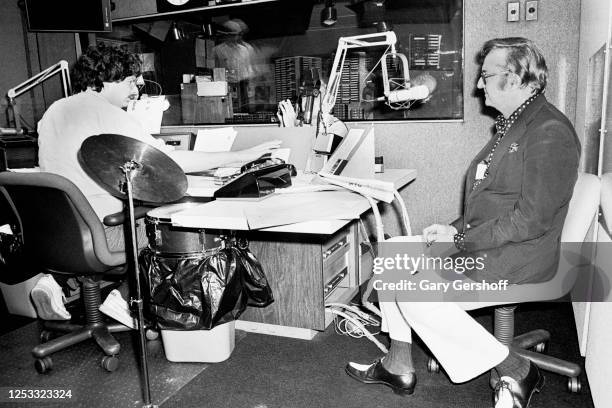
<point>439,233</point>
<point>256,152</point>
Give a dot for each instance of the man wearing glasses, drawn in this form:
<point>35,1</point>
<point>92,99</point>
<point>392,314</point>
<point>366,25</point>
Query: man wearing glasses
<point>517,194</point>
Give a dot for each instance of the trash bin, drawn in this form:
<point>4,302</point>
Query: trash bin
<point>200,346</point>
<point>194,298</point>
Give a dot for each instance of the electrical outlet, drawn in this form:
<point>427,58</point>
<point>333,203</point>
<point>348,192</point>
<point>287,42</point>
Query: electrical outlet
<point>531,10</point>
<point>514,11</point>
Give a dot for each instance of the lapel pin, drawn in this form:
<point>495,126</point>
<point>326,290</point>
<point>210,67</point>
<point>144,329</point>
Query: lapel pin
<point>513,148</point>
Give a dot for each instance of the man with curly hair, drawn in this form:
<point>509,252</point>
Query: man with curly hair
<point>104,80</point>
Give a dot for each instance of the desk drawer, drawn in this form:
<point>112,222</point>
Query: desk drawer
<point>300,268</point>
<point>335,256</point>
<point>180,141</point>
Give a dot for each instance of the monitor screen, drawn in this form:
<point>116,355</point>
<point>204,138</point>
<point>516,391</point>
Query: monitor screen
<point>69,15</point>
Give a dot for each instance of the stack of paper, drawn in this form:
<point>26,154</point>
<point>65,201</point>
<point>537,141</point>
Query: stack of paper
<point>149,112</point>
<point>215,140</point>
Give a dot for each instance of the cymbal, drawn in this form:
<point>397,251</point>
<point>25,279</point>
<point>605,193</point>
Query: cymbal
<point>156,177</point>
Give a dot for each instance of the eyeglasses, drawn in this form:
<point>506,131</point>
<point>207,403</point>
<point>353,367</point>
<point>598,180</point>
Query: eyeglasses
<point>484,75</point>
<point>134,81</point>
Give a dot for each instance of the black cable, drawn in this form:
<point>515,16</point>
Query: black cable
<point>24,121</point>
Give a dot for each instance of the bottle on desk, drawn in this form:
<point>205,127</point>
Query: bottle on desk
<point>379,166</point>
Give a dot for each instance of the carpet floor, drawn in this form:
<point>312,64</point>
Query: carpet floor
<point>275,372</point>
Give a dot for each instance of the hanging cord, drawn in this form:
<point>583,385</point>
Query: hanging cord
<point>157,85</point>
<point>405,218</point>
<point>380,237</point>
<point>363,79</point>
<point>351,321</point>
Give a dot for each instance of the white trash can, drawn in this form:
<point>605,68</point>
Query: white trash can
<point>200,346</point>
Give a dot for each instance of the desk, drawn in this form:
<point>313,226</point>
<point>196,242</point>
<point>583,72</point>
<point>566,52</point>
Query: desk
<point>300,258</point>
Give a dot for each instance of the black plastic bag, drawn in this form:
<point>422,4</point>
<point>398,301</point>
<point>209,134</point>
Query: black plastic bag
<point>254,280</point>
<point>193,292</point>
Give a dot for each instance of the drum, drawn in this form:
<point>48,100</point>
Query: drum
<point>164,238</point>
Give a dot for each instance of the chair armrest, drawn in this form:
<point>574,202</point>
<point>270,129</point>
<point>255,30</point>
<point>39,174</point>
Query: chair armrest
<point>118,218</point>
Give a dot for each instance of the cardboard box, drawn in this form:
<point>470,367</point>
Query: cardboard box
<point>211,88</point>
<point>203,109</point>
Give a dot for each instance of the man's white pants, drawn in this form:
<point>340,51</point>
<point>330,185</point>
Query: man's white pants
<point>462,346</point>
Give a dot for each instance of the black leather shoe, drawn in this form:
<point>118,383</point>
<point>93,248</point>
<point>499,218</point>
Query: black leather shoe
<point>510,393</point>
<point>402,384</point>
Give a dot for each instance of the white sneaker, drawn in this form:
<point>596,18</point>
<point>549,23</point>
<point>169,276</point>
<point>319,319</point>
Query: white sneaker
<point>49,299</point>
<point>116,307</point>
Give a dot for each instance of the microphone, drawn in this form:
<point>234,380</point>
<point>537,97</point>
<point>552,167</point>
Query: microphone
<point>403,95</point>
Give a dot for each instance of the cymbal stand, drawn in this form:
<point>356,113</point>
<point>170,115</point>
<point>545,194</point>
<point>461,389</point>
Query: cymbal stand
<point>127,169</point>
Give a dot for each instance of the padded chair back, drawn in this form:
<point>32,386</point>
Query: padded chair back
<point>582,209</point>
<point>575,257</point>
<point>60,229</point>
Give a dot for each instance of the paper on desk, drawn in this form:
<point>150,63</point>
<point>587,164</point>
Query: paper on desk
<point>215,214</point>
<point>201,186</point>
<point>215,140</point>
<point>149,112</point>
<point>270,212</point>
<point>282,154</point>
<point>277,210</point>
<point>302,183</point>
<point>378,189</point>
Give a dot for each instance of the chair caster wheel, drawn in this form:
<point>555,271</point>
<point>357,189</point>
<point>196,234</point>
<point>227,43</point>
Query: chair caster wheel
<point>43,365</point>
<point>574,385</point>
<point>151,334</point>
<point>46,335</point>
<point>540,347</point>
<point>110,363</point>
<point>432,365</point>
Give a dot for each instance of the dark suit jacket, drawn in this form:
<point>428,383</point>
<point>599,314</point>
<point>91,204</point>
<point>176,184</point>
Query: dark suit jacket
<point>514,218</point>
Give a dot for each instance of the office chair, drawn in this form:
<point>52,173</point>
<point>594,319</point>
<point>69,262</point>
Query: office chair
<point>582,211</point>
<point>63,234</point>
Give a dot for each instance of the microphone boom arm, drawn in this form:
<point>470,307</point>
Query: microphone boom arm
<point>387,38</point>
<point>13,93</point>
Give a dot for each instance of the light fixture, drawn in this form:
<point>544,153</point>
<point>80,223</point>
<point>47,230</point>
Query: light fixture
<point>329,14</point>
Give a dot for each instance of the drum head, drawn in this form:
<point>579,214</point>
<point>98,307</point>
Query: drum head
<point>165,212</point>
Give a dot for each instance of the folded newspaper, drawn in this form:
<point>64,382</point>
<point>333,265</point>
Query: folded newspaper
<point>378,189</point>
